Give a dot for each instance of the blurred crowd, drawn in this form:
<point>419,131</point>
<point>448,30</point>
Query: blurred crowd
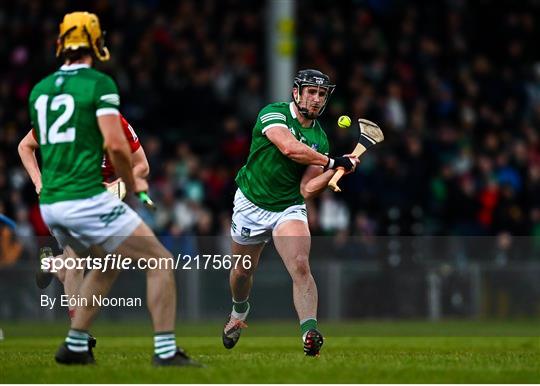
<point>454,84</point>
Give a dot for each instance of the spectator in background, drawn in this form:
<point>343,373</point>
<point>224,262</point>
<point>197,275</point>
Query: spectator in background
<point>10,247</point>
<point>11,281</point>
<point>462,77</point>
<point>334,215</point>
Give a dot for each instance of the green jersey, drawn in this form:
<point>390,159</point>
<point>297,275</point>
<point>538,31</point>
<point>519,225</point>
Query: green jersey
<point>64,108</point>
<point>269,179</point>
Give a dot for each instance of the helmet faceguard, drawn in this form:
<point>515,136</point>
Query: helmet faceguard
<point>81,30</point>
<point>311,78</point>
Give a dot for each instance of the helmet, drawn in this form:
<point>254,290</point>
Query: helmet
<point>82,30</point>
<point>312,78</point>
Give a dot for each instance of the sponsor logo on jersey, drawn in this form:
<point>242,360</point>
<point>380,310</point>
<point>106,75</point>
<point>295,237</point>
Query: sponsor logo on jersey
<point>315,146</point>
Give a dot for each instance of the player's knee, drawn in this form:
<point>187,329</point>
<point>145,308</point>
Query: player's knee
<point>160,274</point>
<point>301,268</point>
<point>242,274</point>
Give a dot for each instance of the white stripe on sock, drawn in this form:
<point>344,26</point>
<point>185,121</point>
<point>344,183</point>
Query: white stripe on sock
<point>168,354</point>
<point>77,348</point>
<point>162,350</point>
<point>165,343</point>
<point>159,338</point>
<point>78,342</point>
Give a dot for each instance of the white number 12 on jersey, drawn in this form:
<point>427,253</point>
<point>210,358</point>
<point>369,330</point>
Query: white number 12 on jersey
<point>54,136</point>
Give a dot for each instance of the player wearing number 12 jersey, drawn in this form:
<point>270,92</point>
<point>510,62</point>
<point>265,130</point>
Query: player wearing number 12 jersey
<point>75,112</point>
<point>29,143</point>
<point>288,162</point>
<point>72,278</point>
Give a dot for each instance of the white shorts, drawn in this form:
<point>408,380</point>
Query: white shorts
<point>99,220</point>
<point>253,225</point>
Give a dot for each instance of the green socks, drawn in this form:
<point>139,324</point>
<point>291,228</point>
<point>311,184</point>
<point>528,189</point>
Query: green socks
<point>308,324</point>
<point>77,340</point>
<point>164,344</point>
<point>240,309</point>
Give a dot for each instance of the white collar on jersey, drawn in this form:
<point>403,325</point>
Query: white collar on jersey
<point>292,110</point>
<point>72,67</point>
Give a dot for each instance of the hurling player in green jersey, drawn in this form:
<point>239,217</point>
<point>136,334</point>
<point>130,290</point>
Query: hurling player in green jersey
<point>72,279</point>
<point>75,112</point>
<point>288,162</point>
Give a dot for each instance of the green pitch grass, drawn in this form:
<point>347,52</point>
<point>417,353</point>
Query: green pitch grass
<point>362,352</point>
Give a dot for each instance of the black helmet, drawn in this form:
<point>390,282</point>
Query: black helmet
<point>312,78</point>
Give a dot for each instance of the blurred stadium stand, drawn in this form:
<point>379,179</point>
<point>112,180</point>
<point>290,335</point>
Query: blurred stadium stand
<point>454,84</point>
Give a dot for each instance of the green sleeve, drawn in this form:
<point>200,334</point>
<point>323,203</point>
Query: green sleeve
<point>106,98</point>
<point>271,116</point>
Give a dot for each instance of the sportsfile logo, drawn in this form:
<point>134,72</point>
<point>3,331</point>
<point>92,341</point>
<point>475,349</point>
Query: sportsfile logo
<point>118,262</point>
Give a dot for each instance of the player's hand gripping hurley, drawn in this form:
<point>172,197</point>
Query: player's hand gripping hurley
<point>370,135</point>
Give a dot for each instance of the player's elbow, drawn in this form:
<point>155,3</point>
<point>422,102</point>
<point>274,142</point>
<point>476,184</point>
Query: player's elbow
<point>143,169</point>
<point>20,148</point>
<point>307,193</point>
<point>23,148</point>
<point>287,151</point>
<point>290,150</point>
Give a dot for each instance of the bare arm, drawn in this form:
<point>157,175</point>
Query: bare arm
<point>314,181</point>
<point>27,151</point>
<point>141,169</point>
<point>117,147</point>
<point>294,149</point>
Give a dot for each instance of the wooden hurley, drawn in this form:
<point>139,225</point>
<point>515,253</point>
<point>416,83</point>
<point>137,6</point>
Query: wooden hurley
<point>370,135</point>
